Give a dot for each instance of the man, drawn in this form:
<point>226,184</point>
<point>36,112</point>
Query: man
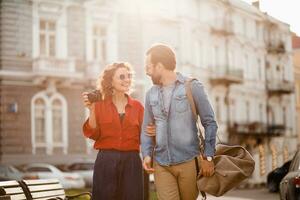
<point>176,144</point>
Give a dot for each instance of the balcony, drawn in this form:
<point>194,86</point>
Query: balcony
<point>55,67</point>
<point>222,30</point>
<point>227,77</point>
<point>280,87</point>
<point>257,129</point>
<point>276,48</point>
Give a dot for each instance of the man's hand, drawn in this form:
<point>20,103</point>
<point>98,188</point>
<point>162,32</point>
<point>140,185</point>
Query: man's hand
<point>207,167</point>
<point>151,130</point>
<point>147,165</point>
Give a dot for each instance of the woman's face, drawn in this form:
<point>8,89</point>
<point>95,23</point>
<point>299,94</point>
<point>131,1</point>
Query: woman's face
<point>121,81</point>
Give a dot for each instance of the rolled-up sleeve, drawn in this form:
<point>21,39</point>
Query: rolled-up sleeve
<point>147,141</point>
<point>89,132</point>
<point>207,117</point>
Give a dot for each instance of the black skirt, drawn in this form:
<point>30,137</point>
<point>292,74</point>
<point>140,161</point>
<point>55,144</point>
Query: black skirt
<point>118,175</point>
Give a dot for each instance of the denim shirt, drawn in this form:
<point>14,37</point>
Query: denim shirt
<point>176,131</point>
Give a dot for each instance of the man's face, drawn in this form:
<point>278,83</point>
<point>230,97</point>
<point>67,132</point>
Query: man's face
<point>152,70</point>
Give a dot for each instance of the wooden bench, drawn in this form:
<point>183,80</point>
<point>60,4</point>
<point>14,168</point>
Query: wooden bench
<point>11,190</point>
<point>47,189</point>
<point>41,189</point>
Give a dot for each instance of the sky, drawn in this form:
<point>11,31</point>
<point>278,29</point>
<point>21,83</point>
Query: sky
<point>287,11</point>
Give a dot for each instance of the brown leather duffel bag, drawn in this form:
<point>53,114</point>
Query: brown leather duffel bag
<point>233,164</point>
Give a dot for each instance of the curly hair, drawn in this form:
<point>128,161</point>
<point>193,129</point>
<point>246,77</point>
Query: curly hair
<point>104,82</point>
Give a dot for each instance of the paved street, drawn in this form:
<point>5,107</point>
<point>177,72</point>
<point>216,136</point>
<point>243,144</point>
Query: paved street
<point>247,194</point>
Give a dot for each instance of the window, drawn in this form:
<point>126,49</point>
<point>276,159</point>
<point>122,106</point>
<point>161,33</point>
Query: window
<point>57,121</point>
<point>245,64</point>
<point>231,59</point>
<point>40,129</point>
<point>259,69</point>
<point>295,162</point>
<point>245,27</point>
<point>47,38</point>
<point>3,170</point>
<point>215,57</point>
<point>284,115</point>
<point>38,169</point>
<point>277,68</point>
<point>82,166</point>
<point>198,54</point>
<point>99,43</point>
<point>49,123</point>
<point>271,116</point>
<point>247,111</point>
<point>233,110</point>
<point>261,113</point>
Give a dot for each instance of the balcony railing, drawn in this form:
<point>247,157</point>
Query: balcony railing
<point>257,129</point>
<point>54,67</point>
<point>280,87</point>
<point>222,30</point>
<point>276,48</point>
<point>227,77</point>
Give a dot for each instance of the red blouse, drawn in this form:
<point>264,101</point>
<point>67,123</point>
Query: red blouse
<point>111,133</point>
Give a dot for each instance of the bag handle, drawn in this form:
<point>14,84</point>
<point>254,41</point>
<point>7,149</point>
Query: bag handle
<point>189,94</point>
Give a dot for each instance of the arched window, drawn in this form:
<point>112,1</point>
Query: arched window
<point>57,121</point>
<point>49,123</point>
<point>271,116</point>
<point>40,125</point>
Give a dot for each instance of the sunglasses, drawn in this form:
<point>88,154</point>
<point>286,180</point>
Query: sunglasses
<point>122,77</point>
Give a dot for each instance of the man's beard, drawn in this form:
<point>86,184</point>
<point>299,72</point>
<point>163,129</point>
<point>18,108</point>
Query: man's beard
<point>156,80</point>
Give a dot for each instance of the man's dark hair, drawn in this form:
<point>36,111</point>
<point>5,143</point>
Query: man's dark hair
<point>163,54</point>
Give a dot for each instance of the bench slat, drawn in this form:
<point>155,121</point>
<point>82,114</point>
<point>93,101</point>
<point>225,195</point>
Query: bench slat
<point>8,183</point>
<point>44,187</point>
<point>47,193</point>
<point>15,190</point>
<point>18,197</point>
<point>41,181</point>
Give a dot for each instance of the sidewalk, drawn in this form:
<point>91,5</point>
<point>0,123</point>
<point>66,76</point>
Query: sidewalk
<point>246,194</point>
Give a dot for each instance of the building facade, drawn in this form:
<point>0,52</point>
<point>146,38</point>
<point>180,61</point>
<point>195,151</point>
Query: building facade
<point>296,61</point>
<point>52,51</point>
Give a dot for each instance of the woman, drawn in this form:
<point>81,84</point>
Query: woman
<point>114,124</point>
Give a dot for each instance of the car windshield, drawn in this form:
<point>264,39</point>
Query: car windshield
<point>38,169</point>
<point>295,162</point>
<point>3,169</point>
<point>82,166</point>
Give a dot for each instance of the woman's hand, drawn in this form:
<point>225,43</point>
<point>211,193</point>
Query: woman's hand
<point>86,101</point>
<point>151,130</point>
<point>91,107</point>
<point>147,164</point>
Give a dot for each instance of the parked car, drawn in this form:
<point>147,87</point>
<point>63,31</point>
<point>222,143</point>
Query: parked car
<point>289,187</point>
<point>47,171</point>
<point>85,169</point>
<point>9,172</point>
<point>275,176</point>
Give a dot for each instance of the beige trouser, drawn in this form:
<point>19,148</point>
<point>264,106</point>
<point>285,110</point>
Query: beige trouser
<point>176,182</point>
